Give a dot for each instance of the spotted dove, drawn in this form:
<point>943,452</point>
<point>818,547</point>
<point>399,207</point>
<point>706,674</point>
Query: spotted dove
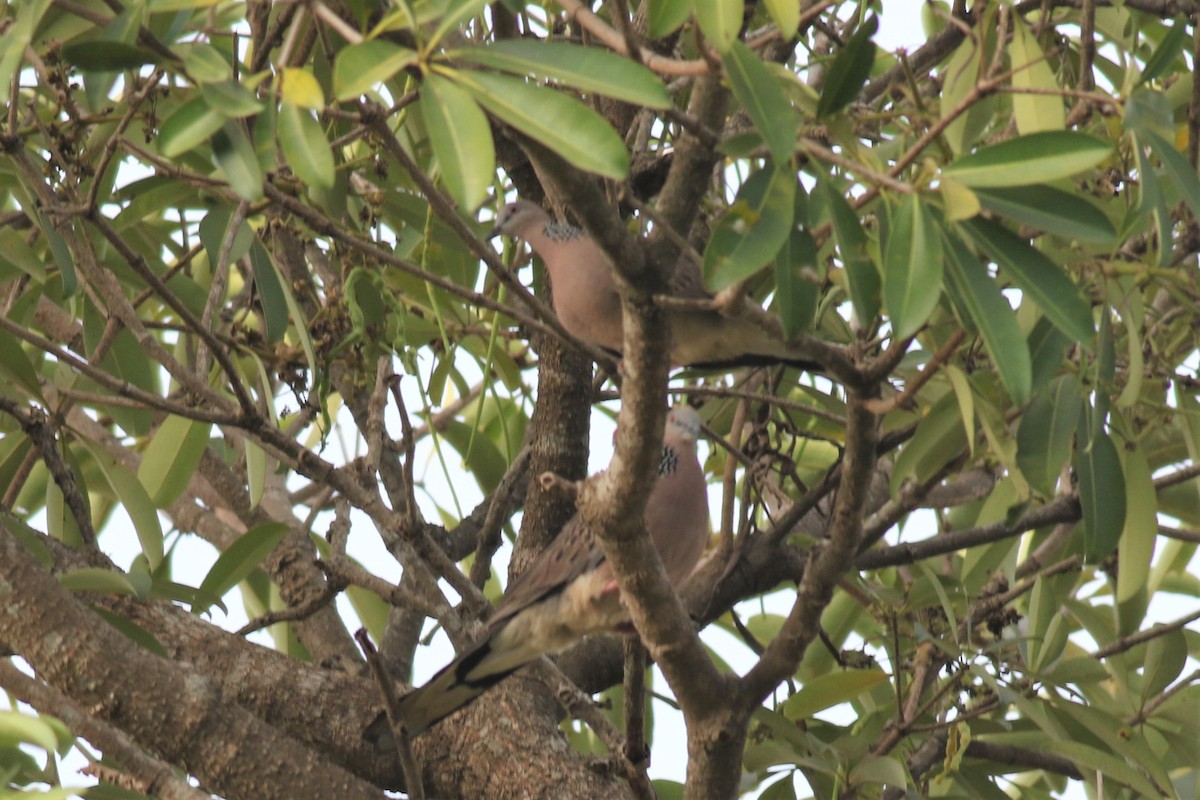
<point>587,303</point>
<point>570,591</point>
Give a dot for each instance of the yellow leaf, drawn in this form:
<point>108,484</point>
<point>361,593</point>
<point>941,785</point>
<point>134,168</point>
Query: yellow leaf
<point>959,201</point>
<point>1033,111</point>
<point>299,87</point>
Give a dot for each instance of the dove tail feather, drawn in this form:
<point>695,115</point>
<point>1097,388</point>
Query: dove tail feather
<point>464,679</point>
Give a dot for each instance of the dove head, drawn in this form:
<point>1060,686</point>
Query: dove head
<point>518,218</point>
<point>683,422</point>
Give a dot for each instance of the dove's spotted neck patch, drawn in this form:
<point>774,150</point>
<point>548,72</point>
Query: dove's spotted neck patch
<point>669,461</point>
<point>562,232</point>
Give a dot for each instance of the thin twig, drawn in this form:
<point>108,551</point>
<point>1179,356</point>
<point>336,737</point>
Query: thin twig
<point>612,39</point>
<point>408,442</point>
<point>376,432</point>
<point>729,482</point>
<point>37,427</point>
<point>771,400</point>
<point>408,762</point>
<point>930,369</point>
<point>581,706</point>
<point>1157,701</point>
<point>1182,534</point>
<point>490,531</point>
<point>333,586</point>
<point>823,153</point>
<point>331,19</point>
<point>220,280</point>
<point>1134,639</point>
<point>636,752</point>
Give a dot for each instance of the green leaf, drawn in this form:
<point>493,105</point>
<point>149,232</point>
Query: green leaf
<point>1168,50</point>
<point>234,154</point>
<point>60,522</point>
<point>1045,606</point>
<point>233,99</point>
<point>849,71</point>
<point>101,55</point>
<point>172,457</point>
<point>1101,494</point>
<point>1177,170</point>
<point>958,202</point>
<point>213,229</point>
<point>1141,527</point>
<point>105,581</point>
<point>305,146</point>
<point>1090,760</point>
<point>862,276</point>
<point>1047,344</point>
<point>479,453</point>
<point>455,16</point>
<point>1094,722</point>
<point>561,123</point>
<point>939,437</point>
<point>62,254</point>
<point>370,609</point>
<point>753,230</point>
<point>270,292</point>
<point>16,367</point>
<point>18,36</point>
<point>136,633</point>
<point>666,789</point>
<point>1051,210</point>
<point>256,472</point>
<point>301,329</point>
<point>588,69</point>
<point>17,728</point>
<point>831,689</point>
<point>1042,109</point>
<point>461,139</point>
<point>134,498</point>
<point>239,560</point>
<point>995,320</point>
<point>786,15</point>
<point>966,403</point>
<point>1041,279</point>
<point>879,769</point>
<point>360,67</point>
<point>1029,159</point>
<point>205,63</point>
<point>192,124</point>
<point>720,21</point>
<point>399,18</point>
<point>796,295</point>
<point>14,251</point>
<point>1126,298</point>
<point>1148,110</point>
<point>1152,202</point>
<point>958,81</point>
<point>1166,657</point>
<point>912,274</point>
<point>1046,430</point>
<point>764,100</point>
<point>667,16</point>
